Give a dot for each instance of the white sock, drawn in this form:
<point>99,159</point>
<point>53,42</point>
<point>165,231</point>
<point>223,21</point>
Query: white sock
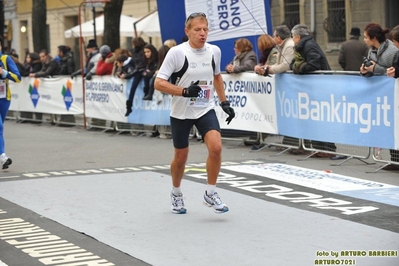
<point>176,191</point>
<point>210,190</point>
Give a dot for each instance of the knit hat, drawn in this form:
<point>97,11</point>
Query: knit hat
<point>92,44</point>
<point>105,50</point>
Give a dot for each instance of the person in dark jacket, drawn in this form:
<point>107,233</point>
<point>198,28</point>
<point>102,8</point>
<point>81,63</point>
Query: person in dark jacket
<point>151,60</point>
<point>67,63</point>
<point>50,67</point>
<point>92,57</point>
<point>309,57</point>
<point>139,66</point>
<point>125,69</point>
<point>352,51</point>
<point>32,63</point>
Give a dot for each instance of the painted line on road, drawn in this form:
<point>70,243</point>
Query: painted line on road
<point>116,170</point>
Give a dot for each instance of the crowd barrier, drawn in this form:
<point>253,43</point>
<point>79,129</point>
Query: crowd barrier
<point>354,112</point>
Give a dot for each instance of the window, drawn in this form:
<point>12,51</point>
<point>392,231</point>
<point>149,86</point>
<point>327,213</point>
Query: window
<point>291,13</point>
<point>335,24</point>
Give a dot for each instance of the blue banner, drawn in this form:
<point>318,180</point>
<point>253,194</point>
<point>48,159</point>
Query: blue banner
<point>337,108</point>
<point>148,112</point>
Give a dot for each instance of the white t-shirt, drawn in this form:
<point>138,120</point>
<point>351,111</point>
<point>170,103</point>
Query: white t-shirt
<point>199,68</point>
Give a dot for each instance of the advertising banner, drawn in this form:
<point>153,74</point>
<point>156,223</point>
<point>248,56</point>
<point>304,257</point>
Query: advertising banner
<point>253,99</point>
<point>47,95</point>
<point>337,108</point>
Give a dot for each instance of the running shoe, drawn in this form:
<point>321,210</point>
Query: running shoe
<point>215,202</point>
<point>177,203</point>
<point>5,161</point>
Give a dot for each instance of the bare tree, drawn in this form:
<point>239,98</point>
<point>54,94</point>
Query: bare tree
<point>39,27</point>
<point>112,14</point>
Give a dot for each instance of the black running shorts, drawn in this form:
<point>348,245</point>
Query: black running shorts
<point>181,128</point>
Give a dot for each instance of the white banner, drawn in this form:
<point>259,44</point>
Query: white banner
<point>106,98</point>
<point>253,99</point>
<point>47,95</point>
<point>231,19</point>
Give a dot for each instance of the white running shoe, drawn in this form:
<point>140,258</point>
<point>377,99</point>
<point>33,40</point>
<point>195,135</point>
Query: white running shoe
<point>5,161</point>
<point>177,203</point>
<point>215,202</point>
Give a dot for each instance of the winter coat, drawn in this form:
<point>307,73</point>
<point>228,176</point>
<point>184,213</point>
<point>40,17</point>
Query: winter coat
<point>384,57</point>
<point>244,61</point>
<point>128,68</point>
<point>67,64</point>
<point>284,57</point>
<point>33,67</point>
<point>150,69</point>
<point>313,56</point>
<point>138,59</point>
<point>49,68</point>
<point>105,65</point>
<point>351,54</point>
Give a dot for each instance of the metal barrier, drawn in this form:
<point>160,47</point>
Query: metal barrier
<point>261,140</point>
<point>382,155</point>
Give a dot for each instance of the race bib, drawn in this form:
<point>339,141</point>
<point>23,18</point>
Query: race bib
<point>3,89</point>
<point>203,98</point>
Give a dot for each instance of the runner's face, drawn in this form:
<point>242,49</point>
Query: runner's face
<point>197,32</point>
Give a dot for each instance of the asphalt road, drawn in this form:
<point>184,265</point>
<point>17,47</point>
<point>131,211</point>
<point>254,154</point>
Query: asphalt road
<point>79,197</point>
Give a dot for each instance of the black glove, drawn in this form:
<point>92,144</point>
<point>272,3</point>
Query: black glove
<point>89,76</point>
<point>228,110</point>
<point>192,91</point>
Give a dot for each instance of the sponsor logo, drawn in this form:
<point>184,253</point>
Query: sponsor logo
<point>34,92</point>
<point>67,94</point>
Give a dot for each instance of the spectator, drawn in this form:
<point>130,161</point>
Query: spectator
<point>285,47</point>
<point>20,66</point>
<point>50,67</point>
<point>268,53</point>
<point>309,57</point>
<point>170,43</point>
<point>285,54</point>
<point>139,65</point>
<point>244,59</point>
<point>352,51</point>
<point>382,54</point>
<point>32,64</point>
<point>159,130</point>
<point>394,72</point>
<point>106,62</point>
<point>125,69</point>
<point>8,71</point>
<point>151,60</point>
<point>117,53</point>
<point>91,61</point>
<point>67,63</point>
